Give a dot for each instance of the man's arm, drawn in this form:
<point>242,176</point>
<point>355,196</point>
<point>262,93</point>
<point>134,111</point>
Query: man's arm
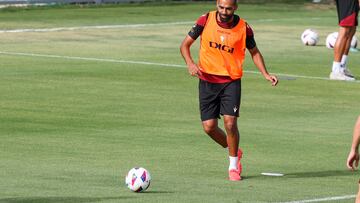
<point>260,64</point>
<point>185,52</point>
<point>357,200</point>
<point>354,152</point>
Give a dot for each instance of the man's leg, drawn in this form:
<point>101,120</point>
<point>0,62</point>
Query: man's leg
<point>235,168</point>
<point>230,124</point>
<point>357,200</point>
<point>212,129</point>
<point>341,45</point>
<point>345,33</point>
<point>344,57</point>
<point>348,43</point>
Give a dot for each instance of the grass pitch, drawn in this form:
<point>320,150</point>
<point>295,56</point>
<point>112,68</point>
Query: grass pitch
<point>79,108</point>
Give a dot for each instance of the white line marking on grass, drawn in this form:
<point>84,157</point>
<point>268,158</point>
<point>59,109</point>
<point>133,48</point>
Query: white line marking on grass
<point>143,63</point>
<point>280,19</point>
<point>93,27</point>
<point>324,199</point>
<point>89,59</point>
<point>57,29</point>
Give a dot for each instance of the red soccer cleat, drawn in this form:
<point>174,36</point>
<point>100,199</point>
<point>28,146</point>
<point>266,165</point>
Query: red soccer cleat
<point>234,175</point>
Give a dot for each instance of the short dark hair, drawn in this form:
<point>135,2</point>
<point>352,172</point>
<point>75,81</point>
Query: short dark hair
<point>234,1</point>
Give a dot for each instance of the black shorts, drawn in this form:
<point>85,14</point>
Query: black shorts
<point>347,12</point>
<point>219,99</point>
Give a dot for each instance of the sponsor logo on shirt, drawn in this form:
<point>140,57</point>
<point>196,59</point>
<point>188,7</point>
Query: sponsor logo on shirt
<point>221,47</point>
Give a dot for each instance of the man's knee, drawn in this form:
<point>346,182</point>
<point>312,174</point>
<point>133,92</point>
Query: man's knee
<point>209,126</point>
<point>230,124</point>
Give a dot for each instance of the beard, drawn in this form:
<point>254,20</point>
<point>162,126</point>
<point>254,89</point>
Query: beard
<point>225,18</point>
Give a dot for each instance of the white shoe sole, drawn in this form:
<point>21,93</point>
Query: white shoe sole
<point>341,77</point>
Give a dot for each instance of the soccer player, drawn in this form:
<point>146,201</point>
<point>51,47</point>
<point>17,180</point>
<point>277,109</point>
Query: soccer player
<point>353,157</point>
<point>224,40</point>
<point>347,13</point>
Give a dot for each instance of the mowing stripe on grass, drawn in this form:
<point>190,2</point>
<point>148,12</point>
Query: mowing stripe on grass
<point>144,63</point>
<point>57,29</point>
<point>324,199</point>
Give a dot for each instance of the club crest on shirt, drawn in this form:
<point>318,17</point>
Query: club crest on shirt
<point>222,38</point>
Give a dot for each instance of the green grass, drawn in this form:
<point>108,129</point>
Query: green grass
<point>70,129</point>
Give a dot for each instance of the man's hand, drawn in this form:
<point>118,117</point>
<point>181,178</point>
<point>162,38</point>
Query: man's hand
<point>273,79</point>
<point>352,158</point>
<point>194,70</point>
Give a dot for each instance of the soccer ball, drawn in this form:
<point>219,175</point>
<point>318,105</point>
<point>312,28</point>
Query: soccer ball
<point>138,179</point>
<point>310,37</point>
<point>331,39</point>
<point>354,41</point>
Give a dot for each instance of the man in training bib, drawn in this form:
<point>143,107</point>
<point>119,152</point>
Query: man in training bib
<point>224,40</point>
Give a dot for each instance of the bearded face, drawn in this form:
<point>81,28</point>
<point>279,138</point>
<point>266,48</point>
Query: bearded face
<point>226,9</point>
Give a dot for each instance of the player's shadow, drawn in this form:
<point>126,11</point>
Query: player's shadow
<point>319,174</point>
<point>310,174</point>
<point>61,199</point>
<point>157,192</point>
<point>73,199</point>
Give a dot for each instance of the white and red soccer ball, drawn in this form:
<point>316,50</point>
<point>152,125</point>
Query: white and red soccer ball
<point>331,39</point>
<point>138,179</point>
<point>310,37</point>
